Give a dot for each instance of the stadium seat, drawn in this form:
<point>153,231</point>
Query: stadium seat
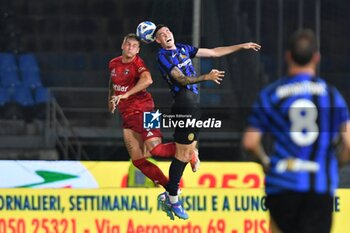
<point>29,69</point>
<point>31,78</point>
<point>23,96</point>
<point>28,62</point>
<point>42,95</point>
<point>22,104</point>
<point>9,77</point>
<point>4,96</point>
<point>7,60</point>
<point>8,70</point>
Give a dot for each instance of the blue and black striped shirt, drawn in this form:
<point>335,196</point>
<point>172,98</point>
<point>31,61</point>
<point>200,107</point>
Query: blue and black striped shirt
<point>181,58</point>
<point>304,115</point>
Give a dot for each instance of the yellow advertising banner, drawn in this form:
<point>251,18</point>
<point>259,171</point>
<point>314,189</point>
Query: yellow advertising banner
<point>135,210</point>
<point>93,174</point>
<point>210,175</point>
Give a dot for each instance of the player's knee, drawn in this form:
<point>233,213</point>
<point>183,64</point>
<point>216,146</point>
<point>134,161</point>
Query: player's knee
<point>138,162</point>
<point>152,143</point>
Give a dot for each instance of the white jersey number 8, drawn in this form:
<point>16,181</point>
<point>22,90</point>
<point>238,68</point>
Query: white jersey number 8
<point>303,115</point>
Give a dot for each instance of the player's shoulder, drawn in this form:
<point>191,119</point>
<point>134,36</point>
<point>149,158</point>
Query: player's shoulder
<point>328,86</point>
<point>115,60</point>
<point>181,46</point>
<point>162,52</point>
<point>139,64</point>
<point>274,85</point>
<point>138,61</point>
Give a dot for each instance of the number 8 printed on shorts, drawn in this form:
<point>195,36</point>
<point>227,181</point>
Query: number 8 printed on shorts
<point>303,115</point>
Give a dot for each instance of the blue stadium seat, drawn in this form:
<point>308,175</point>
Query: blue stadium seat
<point>42,95</point>
<point>8,70</point>
<point>29,69</point>
<point>23,96</point>
<point>7,60</point>
<point>31,78</point>
<point>4,96</point>
<point>9,77</point>
<point>28,62</point>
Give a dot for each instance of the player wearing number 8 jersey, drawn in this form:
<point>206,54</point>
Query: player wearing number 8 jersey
<point>305,116</point>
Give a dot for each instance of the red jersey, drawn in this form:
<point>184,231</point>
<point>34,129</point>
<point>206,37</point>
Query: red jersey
<point>124,77</point>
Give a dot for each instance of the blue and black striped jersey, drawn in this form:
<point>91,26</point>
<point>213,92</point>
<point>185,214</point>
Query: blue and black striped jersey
<point>181,58</point>
<point>304,115</point>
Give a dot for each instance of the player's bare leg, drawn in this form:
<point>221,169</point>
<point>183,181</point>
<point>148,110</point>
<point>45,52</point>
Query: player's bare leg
<point>167,150</point>
<point>195,162</point>
<point>135,146</point>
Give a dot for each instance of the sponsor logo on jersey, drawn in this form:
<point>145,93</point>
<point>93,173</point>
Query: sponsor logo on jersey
<point>142,68</point>
<point>185,63</point>
<point>113,73</point>
<point>149,134</point>
<point>190,137</point>
<point>183,56</point>
<point>121,88</point>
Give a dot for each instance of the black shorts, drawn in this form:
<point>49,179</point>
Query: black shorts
<point>186,108</point>
<point>295,212</point>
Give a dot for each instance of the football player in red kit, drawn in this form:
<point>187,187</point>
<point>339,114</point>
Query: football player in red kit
<point>129,78</point>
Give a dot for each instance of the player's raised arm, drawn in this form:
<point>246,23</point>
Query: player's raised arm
<point>225,50</point>
<point>214,76</point>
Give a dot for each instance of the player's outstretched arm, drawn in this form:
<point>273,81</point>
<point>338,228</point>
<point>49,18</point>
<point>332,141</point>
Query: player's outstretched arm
<point>144,82</point>
<point>214,76</point>
<point>225,50</point>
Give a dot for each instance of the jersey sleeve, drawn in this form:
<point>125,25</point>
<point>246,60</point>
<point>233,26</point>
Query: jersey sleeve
<point>110,65</point>
<point>140,67</point>
<point>341,108</point>
<point>165,63</point>
<point>192,51</point>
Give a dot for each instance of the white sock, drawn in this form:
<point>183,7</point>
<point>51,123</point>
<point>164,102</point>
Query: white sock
<point>173,199</point>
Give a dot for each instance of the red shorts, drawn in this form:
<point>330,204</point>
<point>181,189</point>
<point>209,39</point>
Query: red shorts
<point>134,121</point>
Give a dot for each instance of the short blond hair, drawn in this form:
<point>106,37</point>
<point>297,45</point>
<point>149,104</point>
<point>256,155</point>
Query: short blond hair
<point>132,36</point>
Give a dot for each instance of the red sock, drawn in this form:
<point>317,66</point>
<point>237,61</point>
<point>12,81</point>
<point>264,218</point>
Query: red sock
<point>165,150</point>
<point>151,171</point>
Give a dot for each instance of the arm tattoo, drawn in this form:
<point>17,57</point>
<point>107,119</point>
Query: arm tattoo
<point>177,74</point>
<point>128,146</point>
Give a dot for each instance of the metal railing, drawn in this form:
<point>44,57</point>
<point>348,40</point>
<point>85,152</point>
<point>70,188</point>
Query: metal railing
<point>59,130</point>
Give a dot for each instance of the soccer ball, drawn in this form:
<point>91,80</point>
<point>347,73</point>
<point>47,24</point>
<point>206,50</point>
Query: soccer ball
<point>145,31</point>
